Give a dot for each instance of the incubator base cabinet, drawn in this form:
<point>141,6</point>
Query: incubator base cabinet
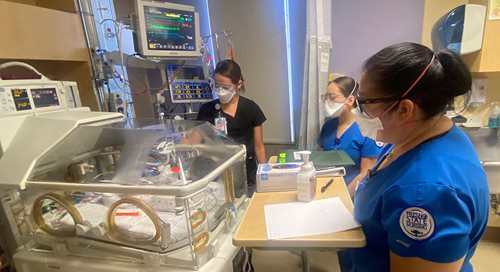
<point>86,191</point>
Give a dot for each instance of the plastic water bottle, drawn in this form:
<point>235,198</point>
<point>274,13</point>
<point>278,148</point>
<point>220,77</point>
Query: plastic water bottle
<point>494,117</point>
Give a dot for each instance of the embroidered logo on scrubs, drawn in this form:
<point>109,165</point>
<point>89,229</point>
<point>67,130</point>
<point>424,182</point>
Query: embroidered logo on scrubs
<point>379,144</point>
<point>417,223</point>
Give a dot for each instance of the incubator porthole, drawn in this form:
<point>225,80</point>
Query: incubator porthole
<point>131,220</point>
<point>55,215</point>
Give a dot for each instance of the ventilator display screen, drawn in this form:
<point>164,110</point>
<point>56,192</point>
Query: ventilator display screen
<point>188,84</point>
<point>184,73</point>
<point>21,99</point>
<point>169,29</point>
<point>45,97</point>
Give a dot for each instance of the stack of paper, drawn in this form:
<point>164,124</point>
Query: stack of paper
<point>299,219</point>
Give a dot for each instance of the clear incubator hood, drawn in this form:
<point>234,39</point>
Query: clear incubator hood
<point>142,193</point>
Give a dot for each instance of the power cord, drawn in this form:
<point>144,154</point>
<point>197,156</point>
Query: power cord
<point>247,263</point>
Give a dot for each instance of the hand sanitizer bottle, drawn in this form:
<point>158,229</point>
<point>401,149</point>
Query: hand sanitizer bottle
<point>306,179</point>
<point>494,116</point>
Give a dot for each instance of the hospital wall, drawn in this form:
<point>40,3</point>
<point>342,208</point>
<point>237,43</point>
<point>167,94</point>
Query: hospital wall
<point>361,28</point>
<point>272,79</point>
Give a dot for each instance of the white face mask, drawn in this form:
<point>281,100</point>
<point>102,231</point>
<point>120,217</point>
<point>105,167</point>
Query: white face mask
<point>368,126</point>
<point>333,109</point>
<point>224,95</point>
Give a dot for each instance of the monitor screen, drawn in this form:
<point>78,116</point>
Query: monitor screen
<point>21,99</point>
<point>45,97</point>
<point>188,84</point>
<point>169,29</point>
<point>185,73</point>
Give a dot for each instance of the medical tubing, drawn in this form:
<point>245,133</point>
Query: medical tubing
<point>66,204</point>
<point>115,233</point>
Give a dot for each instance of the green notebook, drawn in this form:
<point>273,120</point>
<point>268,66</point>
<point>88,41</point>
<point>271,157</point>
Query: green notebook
<point>320,159</point>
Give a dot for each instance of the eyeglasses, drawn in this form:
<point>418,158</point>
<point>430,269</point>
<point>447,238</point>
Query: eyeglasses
<point>225,87</point>
<point>328,97</point>
<point>360,101</point>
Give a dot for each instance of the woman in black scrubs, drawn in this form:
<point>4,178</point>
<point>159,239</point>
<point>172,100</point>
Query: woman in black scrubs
<point>242,116</point>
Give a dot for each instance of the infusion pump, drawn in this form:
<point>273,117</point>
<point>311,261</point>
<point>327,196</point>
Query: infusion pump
<point>20,97</point>
<point>47,104</point>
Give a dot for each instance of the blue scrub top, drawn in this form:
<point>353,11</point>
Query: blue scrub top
<point>352,142</point>
<point>430,203</point>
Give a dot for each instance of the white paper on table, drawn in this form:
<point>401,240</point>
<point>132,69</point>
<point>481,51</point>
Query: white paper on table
<point>299,219</point>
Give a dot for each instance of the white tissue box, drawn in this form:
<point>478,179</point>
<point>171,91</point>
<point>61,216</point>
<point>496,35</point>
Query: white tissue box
<point>272,177</point>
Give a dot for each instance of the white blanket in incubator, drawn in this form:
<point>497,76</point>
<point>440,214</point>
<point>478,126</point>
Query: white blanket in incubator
<point>133,221</point>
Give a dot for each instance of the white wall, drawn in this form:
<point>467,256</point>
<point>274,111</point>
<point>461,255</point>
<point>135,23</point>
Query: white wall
<point>360,28</point>
<point>258,28</point>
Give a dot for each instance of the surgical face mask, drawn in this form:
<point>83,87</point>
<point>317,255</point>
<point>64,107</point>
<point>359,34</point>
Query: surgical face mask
<point>333,109</point>
<point>224,95</point>
<point>368,126</point>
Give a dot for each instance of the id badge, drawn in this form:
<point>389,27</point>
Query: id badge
<point>221,124</point>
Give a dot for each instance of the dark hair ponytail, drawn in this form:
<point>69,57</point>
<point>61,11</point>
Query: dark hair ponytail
<point>394,69</point>
<point>456,73</point>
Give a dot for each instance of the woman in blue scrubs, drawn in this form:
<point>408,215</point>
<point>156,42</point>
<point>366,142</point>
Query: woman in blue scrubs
<point>424,206</point>
<point>340,132</point>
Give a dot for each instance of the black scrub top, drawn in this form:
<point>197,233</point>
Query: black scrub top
<point>240,127</point>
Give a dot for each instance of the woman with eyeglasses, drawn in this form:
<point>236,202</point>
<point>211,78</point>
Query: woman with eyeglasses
<point>240,117</point>
<point>424,205</point>
<point>340,131</point>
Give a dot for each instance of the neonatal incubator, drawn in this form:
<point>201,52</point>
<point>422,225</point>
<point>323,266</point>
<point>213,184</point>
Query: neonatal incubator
<point>88,191</point>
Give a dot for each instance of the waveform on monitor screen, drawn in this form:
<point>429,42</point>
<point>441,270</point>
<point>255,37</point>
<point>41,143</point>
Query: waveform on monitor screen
<point>170,34</point>
<point>164,18</point>
<point>164,27</point>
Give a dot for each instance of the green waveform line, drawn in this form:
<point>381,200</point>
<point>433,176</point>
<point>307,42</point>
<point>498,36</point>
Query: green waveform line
<point>164,27</point>
<point>163,18</point>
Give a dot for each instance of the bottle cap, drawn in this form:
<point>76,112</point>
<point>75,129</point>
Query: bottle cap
<point>305,155</point>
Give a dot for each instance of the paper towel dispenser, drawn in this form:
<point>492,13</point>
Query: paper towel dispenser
<point>460,30</point>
